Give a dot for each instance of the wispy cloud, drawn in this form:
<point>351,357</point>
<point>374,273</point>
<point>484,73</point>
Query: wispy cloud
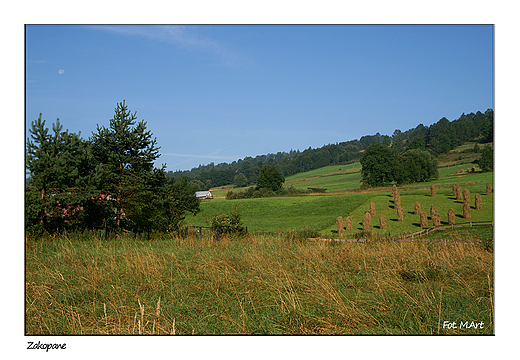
<point>184,37</point>
<point>211,156</point>
<point>193,156</point>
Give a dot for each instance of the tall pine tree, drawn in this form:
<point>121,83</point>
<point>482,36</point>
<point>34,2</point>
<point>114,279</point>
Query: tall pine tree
<point>125,152</point>
<point>55,160</point>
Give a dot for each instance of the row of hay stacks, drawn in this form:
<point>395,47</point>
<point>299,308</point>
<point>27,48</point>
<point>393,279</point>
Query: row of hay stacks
<point>342,225</point>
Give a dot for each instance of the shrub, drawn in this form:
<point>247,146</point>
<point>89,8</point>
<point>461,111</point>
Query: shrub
<point>366,221</point>
<point>253,192</point>
<point>228,223</point>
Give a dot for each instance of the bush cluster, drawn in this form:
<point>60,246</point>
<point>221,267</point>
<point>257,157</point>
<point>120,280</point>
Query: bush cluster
<point>229,223</point>
<point>253,192</point>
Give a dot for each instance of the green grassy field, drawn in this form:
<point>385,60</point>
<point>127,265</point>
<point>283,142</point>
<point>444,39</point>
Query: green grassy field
<point>281,213</point>
<point>333,178</point>
<point>320,211</point>
<point>260,284</point>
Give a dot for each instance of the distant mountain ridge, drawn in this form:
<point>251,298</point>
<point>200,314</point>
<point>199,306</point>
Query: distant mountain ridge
<point>438,138</point>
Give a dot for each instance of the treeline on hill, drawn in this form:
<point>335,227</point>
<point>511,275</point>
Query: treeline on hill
<point>107,182</point>
<point>438,138</point>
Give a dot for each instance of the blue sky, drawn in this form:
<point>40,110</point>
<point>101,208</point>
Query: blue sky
<point>221,93</point>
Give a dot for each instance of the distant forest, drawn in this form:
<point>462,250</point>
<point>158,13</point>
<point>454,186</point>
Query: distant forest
<point>439,138</point>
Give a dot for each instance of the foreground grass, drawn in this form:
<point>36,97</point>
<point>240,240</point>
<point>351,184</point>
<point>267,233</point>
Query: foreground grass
<point>256,285</point>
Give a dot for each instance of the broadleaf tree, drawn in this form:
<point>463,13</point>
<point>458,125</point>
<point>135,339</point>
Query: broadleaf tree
<point>417,166</point>
<point>378,165</point>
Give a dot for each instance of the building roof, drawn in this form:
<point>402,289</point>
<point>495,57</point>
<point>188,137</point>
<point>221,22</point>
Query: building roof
<point>202,194</point>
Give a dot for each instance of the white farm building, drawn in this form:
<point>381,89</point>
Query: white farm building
<point>203,195</point>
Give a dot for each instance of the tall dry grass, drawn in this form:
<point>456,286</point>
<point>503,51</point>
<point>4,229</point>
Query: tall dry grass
<point>262,284</point>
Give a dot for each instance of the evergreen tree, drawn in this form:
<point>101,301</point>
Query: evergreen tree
<point>270,178</point>
<point>55,162</point>
<point>240,180</point>
<point>177,198</point>
<point>125,152</point>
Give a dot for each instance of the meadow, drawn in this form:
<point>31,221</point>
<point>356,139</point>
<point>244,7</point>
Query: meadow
<point>274,280</point>
<point>82,284</point>
<point>319,211</point>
